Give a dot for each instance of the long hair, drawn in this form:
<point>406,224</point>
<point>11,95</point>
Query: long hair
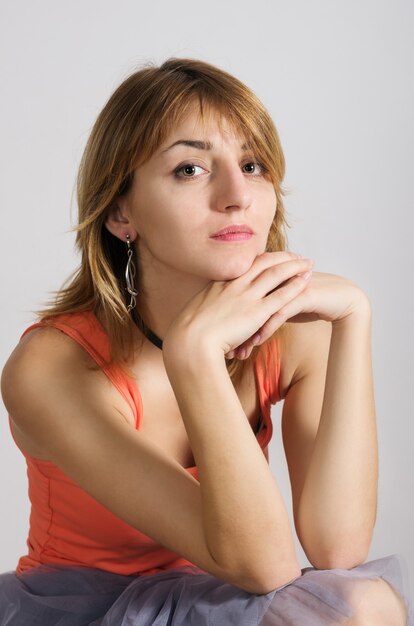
<point>135,121</point>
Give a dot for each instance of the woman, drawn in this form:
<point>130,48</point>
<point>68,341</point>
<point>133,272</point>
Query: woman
<point>141,400</point>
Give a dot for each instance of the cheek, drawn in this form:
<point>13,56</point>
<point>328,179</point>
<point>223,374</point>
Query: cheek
<point>152,216</point>
<point>267,209</point>
<point>167,233</point>
<point>272,212</point>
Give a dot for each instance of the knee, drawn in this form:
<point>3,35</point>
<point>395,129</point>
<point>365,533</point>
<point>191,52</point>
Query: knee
<point>377,604</point>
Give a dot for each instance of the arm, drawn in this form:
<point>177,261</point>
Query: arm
<point>244,517</point>
<point>330,440</point>
<point>68,412</point>
<point>73,416</point>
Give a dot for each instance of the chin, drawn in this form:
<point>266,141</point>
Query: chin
<point>233,268</point>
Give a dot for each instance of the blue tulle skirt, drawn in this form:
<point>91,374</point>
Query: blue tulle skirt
<point>46,596</point>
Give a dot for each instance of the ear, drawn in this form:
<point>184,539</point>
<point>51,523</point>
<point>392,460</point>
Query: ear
<point>118,223</point>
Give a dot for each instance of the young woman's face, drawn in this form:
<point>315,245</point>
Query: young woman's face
<point>201,180</point>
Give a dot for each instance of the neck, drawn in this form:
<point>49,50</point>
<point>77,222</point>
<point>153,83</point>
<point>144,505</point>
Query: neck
<point>163,294</point>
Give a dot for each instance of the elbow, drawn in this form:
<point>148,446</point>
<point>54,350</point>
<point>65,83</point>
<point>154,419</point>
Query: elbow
<point>339,559</point>
<point>340,550</point>
<point>261,583</point>
<point>262,569</point>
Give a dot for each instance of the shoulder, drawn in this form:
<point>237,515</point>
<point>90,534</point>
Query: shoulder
<point>43,357</point>
<point>48,375</point>
<point>44,350</point>
<point>303,347</point>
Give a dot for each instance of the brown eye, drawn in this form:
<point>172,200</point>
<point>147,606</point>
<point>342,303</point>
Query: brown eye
<point>187,171</point>
<point>252,168</point>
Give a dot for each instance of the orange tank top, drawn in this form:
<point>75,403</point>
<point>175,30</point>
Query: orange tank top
<point>68,526</point>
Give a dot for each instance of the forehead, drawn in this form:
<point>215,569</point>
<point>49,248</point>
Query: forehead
<point>208,125</point>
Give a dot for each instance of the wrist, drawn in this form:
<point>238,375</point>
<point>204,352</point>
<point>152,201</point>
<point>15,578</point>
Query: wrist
<point>184,350</point>
<point>359,313</point>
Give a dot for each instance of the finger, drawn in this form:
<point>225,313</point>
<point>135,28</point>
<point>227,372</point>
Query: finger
<point>264,261</point>
<point>270,327</point>
<point>293,308</point>
<point>247,352</point>
<point>277,303</point>
<point>284,314</point>
<point>238,353</point>
<point>288,291</point>
<point>275,276</point>
<point>244,350</point>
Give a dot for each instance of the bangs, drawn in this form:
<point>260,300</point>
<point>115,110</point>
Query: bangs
<point>246,119</point>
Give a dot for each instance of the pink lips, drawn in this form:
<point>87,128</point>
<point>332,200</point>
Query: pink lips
<point>233,232</point>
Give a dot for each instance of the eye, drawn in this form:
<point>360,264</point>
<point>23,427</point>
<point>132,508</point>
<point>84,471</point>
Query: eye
<point>254,168</point>
<point>187,171</point>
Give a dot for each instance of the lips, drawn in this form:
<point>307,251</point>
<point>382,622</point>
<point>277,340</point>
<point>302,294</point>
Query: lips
<point>233,228</point>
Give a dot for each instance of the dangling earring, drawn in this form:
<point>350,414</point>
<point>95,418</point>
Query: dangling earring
<point>130,275</point>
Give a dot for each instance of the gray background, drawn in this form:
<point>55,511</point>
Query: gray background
<point>337,79</point>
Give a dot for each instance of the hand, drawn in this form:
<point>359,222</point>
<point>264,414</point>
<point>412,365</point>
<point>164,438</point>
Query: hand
<point>326,297</point>
<point>225,314</point>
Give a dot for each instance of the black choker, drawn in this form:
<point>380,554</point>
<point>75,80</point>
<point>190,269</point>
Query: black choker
<point>150,335</point>
<point>153,337</point>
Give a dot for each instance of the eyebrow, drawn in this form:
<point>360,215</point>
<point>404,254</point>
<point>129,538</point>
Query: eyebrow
<point>199,145</point>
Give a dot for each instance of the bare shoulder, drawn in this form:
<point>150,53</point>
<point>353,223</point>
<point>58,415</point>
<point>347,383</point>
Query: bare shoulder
<point>39,359</point>
<point>304,345</point>
<point>46,369</point>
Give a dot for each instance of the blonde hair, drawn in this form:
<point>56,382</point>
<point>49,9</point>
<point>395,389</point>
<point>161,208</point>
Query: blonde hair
<point>135,121</point>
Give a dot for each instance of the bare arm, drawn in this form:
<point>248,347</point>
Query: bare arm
<point>73,417</point>
<point>244,517</point>
<point>235,525</point>
<point>331,443</point>
<point>329,424</point>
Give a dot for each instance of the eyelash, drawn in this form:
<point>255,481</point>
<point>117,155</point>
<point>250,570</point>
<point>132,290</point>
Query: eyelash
<point>182,167</point>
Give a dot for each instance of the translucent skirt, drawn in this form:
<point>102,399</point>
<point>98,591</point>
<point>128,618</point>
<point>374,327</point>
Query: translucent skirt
<point>53,595</point>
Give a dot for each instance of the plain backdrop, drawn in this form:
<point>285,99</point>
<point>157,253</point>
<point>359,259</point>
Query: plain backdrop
<point>337,79</point>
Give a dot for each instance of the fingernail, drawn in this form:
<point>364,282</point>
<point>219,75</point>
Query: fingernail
<point>305,276</point>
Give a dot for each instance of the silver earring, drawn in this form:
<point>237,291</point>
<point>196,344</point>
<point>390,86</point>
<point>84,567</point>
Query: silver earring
<point>130,275</point>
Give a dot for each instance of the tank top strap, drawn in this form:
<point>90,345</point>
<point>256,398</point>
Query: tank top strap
<point>267,372</point>
<point>86,330</point>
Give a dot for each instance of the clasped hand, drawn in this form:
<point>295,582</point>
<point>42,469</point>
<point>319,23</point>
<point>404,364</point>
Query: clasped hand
<point>234,316</point>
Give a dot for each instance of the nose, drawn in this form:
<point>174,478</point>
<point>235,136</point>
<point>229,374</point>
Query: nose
<point>232,190</point>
